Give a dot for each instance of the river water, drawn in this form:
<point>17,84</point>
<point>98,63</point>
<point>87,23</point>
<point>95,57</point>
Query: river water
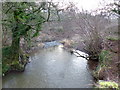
<point>51,68</point>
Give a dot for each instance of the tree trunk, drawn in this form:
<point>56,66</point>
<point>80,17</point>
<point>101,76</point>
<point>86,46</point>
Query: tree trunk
<point>15,54</point>
<point>58,15</point>
<point>48,17</point>
<point>15,40</point>
<point>15,48</point>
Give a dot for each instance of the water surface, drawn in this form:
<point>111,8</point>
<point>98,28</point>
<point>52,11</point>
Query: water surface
<point>51,68</point>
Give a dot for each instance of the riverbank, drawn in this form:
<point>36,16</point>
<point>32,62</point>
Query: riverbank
<point>106,68</point>
<point>106,71</point>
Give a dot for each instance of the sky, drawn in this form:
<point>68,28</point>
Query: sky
<point>87,4</point>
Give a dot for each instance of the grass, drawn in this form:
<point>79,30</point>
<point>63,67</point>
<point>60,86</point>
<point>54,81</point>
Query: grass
<point>104,57</point>
<point>113,38</point>
<point>108,84</point>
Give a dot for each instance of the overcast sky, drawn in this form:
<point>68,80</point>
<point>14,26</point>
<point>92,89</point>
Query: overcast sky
<point>87,4</point>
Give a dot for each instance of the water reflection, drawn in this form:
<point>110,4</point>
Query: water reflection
<point>51,68</point>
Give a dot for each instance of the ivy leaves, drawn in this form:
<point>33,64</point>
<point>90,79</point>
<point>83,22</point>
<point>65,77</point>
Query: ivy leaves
<point>26,16</point>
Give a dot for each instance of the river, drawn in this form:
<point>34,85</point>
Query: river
<point>51,68</point>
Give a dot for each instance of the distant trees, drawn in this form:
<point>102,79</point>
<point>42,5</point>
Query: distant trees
<point>110,9</point>
<point>117,9</point>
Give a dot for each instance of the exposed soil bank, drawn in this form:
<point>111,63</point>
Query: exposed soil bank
<point>112,72</point>
<point>108,68</point>
<point>107,72</point>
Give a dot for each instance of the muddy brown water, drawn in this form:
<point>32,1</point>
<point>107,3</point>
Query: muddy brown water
<point>51,68</point>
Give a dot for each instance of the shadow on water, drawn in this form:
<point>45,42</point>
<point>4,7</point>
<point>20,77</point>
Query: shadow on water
<point>52,68</point>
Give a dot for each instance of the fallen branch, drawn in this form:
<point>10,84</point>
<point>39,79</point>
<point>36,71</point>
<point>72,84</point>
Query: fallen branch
<point>81,55</point>
<point>86,57</point>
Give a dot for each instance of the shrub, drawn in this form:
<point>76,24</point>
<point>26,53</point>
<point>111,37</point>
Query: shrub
<point>93,47</point>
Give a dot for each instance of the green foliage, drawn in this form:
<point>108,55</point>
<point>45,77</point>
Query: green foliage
<point>5,68</point>
<point>26,17</point>
<point>6,54</point>
<point>116,9</point>
<point>17,66</point>
<point>113,38</point>
<point>6,50</point>
<point>103,56</point>
<point>60,30</point>
<point>24,20</point>
<point>108,84</point>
